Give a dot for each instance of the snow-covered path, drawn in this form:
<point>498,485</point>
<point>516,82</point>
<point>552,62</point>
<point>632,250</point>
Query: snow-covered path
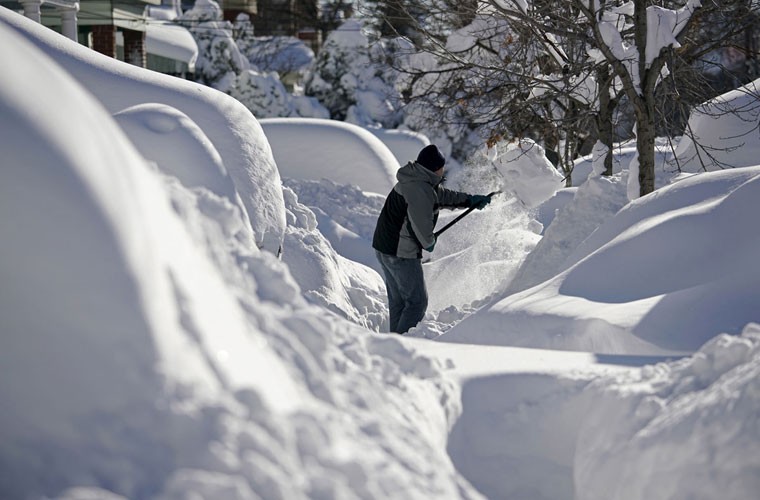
<point>522,413</point>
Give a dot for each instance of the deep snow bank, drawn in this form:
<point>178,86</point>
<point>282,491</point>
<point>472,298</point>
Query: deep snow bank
<point>108,309</point>
<point>573,214</point>
<point>404,144</point>
<point>180,149</point>
<point>325,277</point>
<point>592,204</point>
<point>635,282</point>
<point>575,426</point>
<point>316,149</point>
<point>685,429</point>
<point>231,128</point>
<point>147,352</point>
<point>345,214</point>
<point>723,132</point>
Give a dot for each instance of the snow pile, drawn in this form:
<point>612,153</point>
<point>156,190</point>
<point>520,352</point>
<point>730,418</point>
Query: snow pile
<point>343,286</point>
<point>344,153</point>
<point>723,132</point>
<point>627,427</point>
<point>147,351</point>
<point>532,185</point>
<point>150,349</point>
<point>404,144</point>
<point>231,128</point>
<point>546,212</point>
<point>625,294</point>
<point>686,429</point>
<point>179,148</point>
<point>95,249</point>
<point>345,214</point>
<point>597,200</point>
<point>622,155</point>
<point>578,212</point>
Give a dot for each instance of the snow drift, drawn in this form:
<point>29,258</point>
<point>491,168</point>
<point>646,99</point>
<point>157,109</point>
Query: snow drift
<point>119,378</point>
<point>149,351</point>
<point>684,429</point>
<point>634,308</point>
<point>628,427</point>
<point>316,149</point>
<point>233,131</point>
<point>723,132</point>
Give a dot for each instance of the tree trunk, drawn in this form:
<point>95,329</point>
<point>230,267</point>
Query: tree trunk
<point>645,139</point>
<point>604,118</point>
<point>644,103</point>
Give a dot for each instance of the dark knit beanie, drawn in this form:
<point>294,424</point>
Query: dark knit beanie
<point>431,158</point>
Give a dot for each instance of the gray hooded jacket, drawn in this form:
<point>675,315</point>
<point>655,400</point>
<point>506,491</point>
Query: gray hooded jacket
<point>408,218</point>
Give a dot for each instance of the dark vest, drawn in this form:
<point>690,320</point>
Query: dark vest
<point>389,224</point>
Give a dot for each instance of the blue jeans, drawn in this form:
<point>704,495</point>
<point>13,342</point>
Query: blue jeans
<point>407,295</point>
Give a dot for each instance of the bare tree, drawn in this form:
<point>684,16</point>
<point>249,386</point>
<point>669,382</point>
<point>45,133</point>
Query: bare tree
<point>718,54</point>
<point>496,72</point>
<point>559,71</point>
<point>628,40</point>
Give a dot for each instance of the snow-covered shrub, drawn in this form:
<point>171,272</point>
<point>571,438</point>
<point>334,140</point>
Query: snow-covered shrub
<point>266,97</point>
<point>350,83</point>
<point>262,93</point>
<point>286,55</point>
<point>219,59</point>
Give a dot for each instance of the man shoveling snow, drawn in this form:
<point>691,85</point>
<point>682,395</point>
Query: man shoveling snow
<point>406,226</point>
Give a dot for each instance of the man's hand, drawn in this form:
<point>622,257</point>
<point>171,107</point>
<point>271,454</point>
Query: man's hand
<point>479,201</point>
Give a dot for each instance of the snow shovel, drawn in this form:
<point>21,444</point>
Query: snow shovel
<point>461,216</point>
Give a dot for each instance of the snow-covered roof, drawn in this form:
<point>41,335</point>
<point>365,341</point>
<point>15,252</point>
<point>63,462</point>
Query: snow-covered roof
<point>171,41</point>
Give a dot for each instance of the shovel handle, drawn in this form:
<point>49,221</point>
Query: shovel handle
<point>461,216</point>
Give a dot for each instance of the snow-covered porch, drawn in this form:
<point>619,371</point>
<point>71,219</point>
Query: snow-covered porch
<point>66,9</point>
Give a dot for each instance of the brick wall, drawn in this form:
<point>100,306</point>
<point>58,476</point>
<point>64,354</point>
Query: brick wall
<point>134,47</point>
<point>104,39</point>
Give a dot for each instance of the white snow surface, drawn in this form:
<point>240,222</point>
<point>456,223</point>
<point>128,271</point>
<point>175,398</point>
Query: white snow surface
<point>533,185</point>
<point>316,149</point>
<point>171,41</point>
<point>232,129</point>
<point>404,144</point>
<point>151,350</point>
<point>726,129</point>
<point>715,268</point>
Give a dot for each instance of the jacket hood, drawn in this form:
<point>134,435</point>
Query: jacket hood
<point>414,172</point>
